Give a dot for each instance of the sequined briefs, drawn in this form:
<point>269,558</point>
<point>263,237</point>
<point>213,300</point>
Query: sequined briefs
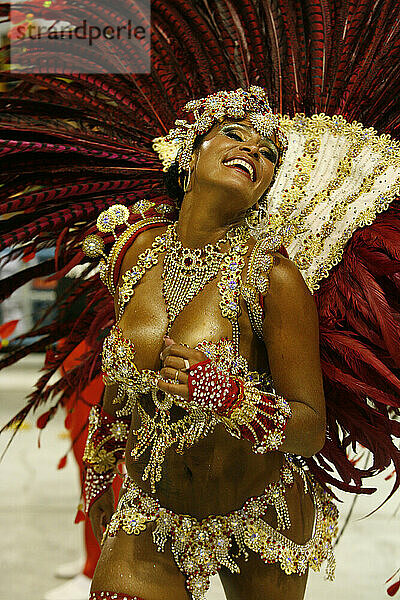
<point>201,548</point>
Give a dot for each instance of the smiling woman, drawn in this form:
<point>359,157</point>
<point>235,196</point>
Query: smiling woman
<point>242,131</point>
<point>213,342</point>
<point>227,151</point>
<point>237,408</point>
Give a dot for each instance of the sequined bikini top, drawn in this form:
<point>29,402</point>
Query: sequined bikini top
<point>118,352</point>
<point>118,366</point>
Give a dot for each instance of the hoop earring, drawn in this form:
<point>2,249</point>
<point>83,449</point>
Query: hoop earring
<point>257,221</point>
<point>186,180</point>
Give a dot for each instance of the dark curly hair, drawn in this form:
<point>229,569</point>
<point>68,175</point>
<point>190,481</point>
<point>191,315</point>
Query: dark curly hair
<point>172,184</point>
<point>173,179</point>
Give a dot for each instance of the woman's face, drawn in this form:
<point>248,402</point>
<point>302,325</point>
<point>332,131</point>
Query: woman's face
<point>233,156</point>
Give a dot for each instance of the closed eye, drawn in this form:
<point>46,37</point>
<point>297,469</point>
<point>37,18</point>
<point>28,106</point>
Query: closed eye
<point>267,152</point>
<point>232,134</point>
<point>270,154</point>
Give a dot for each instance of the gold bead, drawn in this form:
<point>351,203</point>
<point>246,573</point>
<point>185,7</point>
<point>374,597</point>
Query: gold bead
<point>93,246</point>
<point>120,212</point>
<point>106,221</point>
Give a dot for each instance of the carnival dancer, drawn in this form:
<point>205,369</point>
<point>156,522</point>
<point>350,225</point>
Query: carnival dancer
<point>212,378</point>
<point>212,282</point>
<point>238,333</point>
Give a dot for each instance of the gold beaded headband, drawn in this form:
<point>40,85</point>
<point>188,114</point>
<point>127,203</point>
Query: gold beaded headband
<point>178,144</point>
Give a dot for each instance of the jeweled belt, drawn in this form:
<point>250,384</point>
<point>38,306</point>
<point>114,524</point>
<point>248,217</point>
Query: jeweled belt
<point>201,548</point>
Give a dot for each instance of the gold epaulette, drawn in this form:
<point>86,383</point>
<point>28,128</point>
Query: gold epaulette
<point>107,221</point>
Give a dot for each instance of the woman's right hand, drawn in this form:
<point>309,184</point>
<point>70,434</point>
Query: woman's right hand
<point>101,512</point>
<point>176,360</point>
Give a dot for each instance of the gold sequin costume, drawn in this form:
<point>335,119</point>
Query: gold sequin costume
<point>201,548</point>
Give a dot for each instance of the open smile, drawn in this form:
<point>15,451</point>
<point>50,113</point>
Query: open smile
<point>242,166</point>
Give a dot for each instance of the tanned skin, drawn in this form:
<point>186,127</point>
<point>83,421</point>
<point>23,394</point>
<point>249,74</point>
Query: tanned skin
<point>220,472</point>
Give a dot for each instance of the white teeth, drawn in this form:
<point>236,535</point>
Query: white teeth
<point>242,163</point>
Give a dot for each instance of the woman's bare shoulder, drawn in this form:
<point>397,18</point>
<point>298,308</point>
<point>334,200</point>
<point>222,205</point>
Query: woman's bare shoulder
<point>287,288</point>
<point>284,270</point>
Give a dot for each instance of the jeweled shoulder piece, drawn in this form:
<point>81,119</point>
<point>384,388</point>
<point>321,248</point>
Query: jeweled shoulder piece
<point>108,221</point>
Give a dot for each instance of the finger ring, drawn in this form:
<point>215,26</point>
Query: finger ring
<point>176,379</point>
<point>187,364</point>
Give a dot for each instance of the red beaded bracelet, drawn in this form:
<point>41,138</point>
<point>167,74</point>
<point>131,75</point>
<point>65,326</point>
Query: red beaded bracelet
<point>105,447</point>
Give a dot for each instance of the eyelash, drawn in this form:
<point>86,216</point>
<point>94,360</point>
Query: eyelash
<point>232,134</point>
<point>269,153</point>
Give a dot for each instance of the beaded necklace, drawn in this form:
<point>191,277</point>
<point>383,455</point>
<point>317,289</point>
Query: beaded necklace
<point>186,272</point>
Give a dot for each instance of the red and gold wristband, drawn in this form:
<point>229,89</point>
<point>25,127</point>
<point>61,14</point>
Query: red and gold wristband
<point>260,417</point>
<point>105,447</point>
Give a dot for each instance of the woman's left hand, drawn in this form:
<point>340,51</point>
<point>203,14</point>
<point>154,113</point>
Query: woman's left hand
<point>176,360</point>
